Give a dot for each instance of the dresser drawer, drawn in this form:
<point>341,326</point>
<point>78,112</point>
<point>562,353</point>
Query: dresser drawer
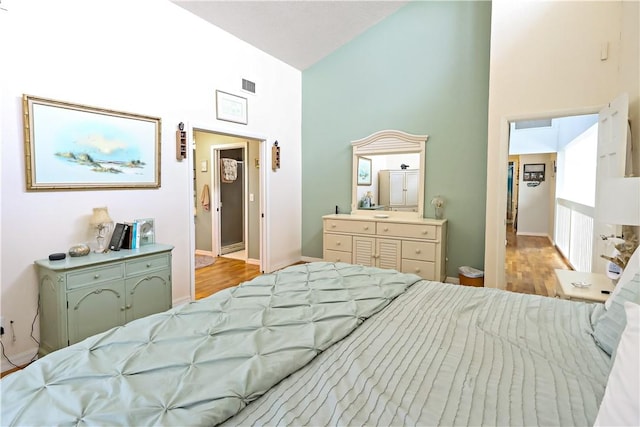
<point>424,269</point>
<point>337,242</point>
<point>337,256</point>
<point>419,251</point>
<point>416,231</point>
<point>147,264</point>
<point>95,275</point>
<point>345,226</point>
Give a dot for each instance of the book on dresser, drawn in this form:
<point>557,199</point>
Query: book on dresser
<point>126,241</point>
<point>118,236</point>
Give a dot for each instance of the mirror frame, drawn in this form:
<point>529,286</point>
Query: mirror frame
<point>389,142</point>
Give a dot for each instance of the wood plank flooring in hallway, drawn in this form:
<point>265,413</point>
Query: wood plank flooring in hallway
<point>529,264</point>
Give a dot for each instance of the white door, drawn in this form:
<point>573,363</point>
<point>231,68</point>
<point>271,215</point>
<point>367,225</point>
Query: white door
<point>396,188</point>
<point>412,185</point>
<point>612,146</point>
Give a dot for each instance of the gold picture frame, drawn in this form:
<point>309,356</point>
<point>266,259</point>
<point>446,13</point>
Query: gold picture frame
<point>77,147</point>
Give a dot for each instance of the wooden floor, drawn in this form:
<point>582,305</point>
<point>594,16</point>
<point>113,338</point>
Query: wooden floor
<point>224,273</point>
<point>529,264</point>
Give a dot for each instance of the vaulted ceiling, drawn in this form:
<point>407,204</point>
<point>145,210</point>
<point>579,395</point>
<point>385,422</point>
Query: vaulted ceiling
<point>299,33</point>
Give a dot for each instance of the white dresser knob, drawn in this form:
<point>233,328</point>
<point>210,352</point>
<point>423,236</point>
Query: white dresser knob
<point>417,270</point>
<point>333,226</point>
<point>366,227</point>
<point>425,232</point>
<point>386,229</point>
<point>417,251</point>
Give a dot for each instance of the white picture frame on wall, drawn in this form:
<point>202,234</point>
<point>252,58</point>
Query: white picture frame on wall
<point>231,108</point>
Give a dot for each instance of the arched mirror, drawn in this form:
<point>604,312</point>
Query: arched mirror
<point>388,174</point>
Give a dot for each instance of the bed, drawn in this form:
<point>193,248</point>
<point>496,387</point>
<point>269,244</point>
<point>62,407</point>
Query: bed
<point>334,344</point>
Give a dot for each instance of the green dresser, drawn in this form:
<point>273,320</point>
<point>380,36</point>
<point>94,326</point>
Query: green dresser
<point>83,296</point>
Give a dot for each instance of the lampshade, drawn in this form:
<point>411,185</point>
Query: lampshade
<point>100,216</point>
<point>618,201</point>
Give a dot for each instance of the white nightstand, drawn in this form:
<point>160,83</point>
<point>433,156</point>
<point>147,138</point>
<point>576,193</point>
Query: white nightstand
<point>600,289</point>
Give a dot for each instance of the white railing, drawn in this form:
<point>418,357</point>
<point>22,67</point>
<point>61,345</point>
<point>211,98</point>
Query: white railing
<point>574,233</point>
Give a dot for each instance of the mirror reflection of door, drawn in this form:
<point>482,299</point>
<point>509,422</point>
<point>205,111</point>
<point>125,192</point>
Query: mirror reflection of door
<point>232,201</point>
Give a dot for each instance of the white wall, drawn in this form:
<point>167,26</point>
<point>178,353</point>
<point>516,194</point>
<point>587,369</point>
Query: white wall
<point>535,203</point>
<point>148,57</point>
<point>545,62</point>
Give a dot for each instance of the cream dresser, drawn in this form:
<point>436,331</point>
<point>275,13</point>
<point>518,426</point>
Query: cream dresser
<point>409,245</point>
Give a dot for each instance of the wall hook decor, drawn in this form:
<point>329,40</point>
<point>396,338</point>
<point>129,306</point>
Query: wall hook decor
<point>181,142</point>
<point>275,156</point>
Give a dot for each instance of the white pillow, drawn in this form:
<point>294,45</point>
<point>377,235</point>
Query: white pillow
<point>620,405</point>
<point>633,267</point>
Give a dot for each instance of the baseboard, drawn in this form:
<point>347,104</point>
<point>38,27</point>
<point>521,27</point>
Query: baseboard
<point>203,252</point>
<point>253,261</point>
<point>180,301</point>
<point>454,280</point>
<point>526,233</point>
<point>19,359</point>
<point>310,259</point>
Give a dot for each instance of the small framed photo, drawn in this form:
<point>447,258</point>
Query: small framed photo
<point>231,108</point>
<point>146,229</point>
<point>364,171</point>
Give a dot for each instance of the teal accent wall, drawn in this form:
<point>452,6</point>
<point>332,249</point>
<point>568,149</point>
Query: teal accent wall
<point>424,70</point>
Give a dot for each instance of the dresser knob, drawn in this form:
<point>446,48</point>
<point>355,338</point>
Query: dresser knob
<point>417,251</point>
<point>386,229</point>
<point>128,307</point>
<point>425,232</point>
<point>366,227</point>
<point>97,276</point>
<point>417,270</point>
<point>148,265</point>
<point>337,259</point>
<point>333,226</point>
<point>121,308</point>
<point>338,243</point>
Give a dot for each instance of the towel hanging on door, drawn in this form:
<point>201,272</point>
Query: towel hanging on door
<point>228,170</point>
<point>204,198</point>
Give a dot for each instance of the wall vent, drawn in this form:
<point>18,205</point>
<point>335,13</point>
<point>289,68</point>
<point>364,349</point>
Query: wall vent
<point>248,85</point>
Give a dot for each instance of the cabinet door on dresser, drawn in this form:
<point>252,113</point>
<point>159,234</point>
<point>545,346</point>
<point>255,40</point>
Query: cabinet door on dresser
<point>388,253</point>
<point>95,309</point>
<point>147,295</point>
<point>148,286</point>
<point>364,249</point>
<point>374,252</point>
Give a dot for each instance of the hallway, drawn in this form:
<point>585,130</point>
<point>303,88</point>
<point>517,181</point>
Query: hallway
<point>529,264</point>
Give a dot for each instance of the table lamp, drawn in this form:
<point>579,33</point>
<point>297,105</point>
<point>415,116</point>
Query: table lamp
<point>618,203</point>
<point>101,221</point>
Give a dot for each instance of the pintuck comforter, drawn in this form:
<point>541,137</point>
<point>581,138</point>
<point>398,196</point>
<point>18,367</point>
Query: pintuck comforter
<point>450,355</point>
<point>203,362</point>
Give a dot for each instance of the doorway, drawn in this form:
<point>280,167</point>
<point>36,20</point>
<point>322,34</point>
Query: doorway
<point>228,214</point>
<point>230,207</point>
<point>534,209</point>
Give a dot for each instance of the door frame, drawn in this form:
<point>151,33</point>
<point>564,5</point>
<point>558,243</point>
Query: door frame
<point>265,256</point>
<point>496,201</point>
<point>216,216</point>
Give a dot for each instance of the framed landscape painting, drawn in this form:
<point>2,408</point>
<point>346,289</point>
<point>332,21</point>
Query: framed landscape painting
<point>77,147</point>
